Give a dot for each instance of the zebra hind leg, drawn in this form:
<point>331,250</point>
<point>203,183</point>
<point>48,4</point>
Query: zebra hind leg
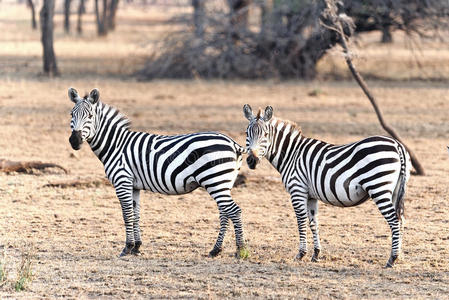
<point>386,207</point>
<point>136,226</point>
<point>228,210</point>
<point>223,227</point>
<point>235,215</point>
<point>312,212</point>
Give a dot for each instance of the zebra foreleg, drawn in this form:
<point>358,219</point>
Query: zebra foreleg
<point>125,194</point>
<point>312,212</point>
<point>223,227</point>
<point>299,202</point>
<point>136,226</point>
<point>385,205</point>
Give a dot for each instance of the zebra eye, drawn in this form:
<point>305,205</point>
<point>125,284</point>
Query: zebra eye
<point>90,115</point>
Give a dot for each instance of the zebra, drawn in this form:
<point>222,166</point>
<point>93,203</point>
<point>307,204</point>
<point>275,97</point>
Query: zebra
<point>376,167</point>
<point>170,165</point>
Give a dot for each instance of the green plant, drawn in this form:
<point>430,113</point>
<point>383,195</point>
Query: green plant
<point>243,253</point>
<point>24,273</point>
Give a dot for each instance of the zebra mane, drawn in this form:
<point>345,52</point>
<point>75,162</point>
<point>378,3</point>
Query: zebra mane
<point>293,125</point>
<point>121,118</point>
<point>259,113</point>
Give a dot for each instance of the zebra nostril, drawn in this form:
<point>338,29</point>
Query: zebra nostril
<point>76,139</point>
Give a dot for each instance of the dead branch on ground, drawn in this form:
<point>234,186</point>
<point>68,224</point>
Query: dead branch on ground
<point>9,166</point>
<point>87,183</point>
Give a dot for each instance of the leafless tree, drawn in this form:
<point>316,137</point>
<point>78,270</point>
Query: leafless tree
<point>101,18</point>
<point>33,14</point>
<point>337,21</point>
<point>112,11</point>
<point>106,18</point>
<point>46,21</point>
<point>67,15</point>
<point>199,17</point>
<point>81,10</point>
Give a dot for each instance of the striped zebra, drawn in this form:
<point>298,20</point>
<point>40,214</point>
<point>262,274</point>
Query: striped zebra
<point>376,167</point>
<point>170,165</point>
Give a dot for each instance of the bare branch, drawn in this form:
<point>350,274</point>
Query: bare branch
<point>340,21</point>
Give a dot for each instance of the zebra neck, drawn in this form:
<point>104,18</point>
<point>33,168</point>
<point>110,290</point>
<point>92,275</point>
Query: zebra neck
<point>112,129</point>
<point>284,137</point>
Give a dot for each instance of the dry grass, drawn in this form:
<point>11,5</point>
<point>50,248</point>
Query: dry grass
<point>77,232</point>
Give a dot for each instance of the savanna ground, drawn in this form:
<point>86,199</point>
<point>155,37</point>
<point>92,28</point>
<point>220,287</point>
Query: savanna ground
<point>75,234</point>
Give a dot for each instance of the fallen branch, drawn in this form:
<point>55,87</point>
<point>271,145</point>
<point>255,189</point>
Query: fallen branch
<point>9,166</point>
<point>332,9</point>
<point>78,183</point>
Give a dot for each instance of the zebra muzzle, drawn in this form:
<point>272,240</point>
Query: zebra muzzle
<point>252,161</point>
<point>76,140</point>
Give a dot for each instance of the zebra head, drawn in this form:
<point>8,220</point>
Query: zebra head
<point>257,134</point>
<point>83,117</point>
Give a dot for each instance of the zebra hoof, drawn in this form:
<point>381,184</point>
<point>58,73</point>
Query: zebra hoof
<point>127,250</point>
<point>316,253</point>
<point>215,252</point>
<point>300,255</point>
<point>391,261</point>
<point>135,250</point>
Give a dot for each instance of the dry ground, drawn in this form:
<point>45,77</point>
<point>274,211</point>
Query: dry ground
<point>75,234</point>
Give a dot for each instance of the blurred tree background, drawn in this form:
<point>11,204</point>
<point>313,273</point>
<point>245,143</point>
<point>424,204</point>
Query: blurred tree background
<point>280,38</point>
<point>248,38</point>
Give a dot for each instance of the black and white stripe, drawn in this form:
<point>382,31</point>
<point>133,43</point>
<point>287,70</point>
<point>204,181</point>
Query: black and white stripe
<point>376,167</point>
<point>170,165</point>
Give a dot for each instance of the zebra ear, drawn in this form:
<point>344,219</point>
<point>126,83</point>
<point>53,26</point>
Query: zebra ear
<point>248,112</point>
<point>94,96</point>
<point>268,114</point>
<point>73,95</point>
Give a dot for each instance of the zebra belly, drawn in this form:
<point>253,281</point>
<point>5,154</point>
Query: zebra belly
<point>351,195</point>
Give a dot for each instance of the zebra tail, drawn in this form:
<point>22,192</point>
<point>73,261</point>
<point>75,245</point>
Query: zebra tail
<point>400,188</point>
<point>240,149</point>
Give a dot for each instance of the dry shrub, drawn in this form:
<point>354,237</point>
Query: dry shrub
<point>282,45</point>
<point>287,41</point>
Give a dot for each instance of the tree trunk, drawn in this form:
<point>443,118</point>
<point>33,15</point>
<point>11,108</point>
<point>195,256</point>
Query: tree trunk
<point>104,17</point>
<point>81,9</point>
<point>387,38</point>
<point>33,14</point>
<point>198,17</point>
<point>101,25</point>
<point>46,20</point>
<point>416,164</point>
<point>113,5</point>
<point>67,15</point>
